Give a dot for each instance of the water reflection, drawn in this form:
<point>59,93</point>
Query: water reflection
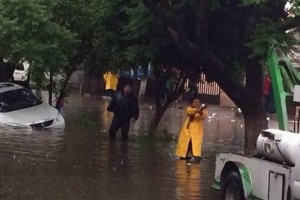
<point>30,145</point>
<point>188,180</point>
<point>170,122</point>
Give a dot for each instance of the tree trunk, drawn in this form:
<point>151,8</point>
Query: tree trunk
<point>63,90</point>
<point>158,115</point>
<point>27,82</point>
<point>6,72</point>
<point>50,88</point>
<point>171,97</point>
<point>253,123</point>
<point>38,91</point>
<point>253,109</point>
<point>160,108</point>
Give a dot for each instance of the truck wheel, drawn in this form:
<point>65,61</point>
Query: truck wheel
<point>232,187</point>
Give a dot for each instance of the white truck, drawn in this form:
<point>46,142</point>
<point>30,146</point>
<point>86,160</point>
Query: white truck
<point>273,174</point>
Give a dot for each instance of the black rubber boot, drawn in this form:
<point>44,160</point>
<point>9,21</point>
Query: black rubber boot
<point>194,159</point>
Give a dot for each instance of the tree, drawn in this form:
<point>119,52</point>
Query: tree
<point>124,38</point>
<point>27,32</point>
<point>77,17</point>
<point>98,28</point>
<point>148,41</point>
<point>108,42</point>
<point>229,35</point>
<point>53,36</point>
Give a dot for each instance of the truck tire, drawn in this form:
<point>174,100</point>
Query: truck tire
<point>232,187</point>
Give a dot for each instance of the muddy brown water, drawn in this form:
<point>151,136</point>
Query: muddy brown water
<point>80,163</point>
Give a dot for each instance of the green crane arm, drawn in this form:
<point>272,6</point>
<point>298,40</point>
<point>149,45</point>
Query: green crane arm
<point>278,90</point>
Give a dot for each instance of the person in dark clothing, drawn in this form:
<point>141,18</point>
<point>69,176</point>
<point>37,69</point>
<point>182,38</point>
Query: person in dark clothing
<point>125,107</point>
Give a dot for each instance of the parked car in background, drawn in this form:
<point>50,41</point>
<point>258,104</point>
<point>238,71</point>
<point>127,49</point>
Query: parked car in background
<point>19,107</point>
<point>21,72</point>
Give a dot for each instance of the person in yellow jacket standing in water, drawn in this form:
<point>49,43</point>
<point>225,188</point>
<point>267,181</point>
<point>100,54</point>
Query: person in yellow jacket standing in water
<point>191,135</point>
<point>111,82</point>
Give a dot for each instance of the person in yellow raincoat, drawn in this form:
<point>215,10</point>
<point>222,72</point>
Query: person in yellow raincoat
<point>191,135</point>
<point>111,82</point>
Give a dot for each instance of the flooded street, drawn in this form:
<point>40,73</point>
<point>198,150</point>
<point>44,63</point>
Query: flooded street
<point>80,163</point>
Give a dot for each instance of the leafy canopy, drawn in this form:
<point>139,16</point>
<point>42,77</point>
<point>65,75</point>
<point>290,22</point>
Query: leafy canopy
<point>27,31</point>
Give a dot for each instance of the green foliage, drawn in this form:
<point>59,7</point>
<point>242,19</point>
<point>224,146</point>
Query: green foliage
<point>148,40</point>
<point>215,4</point>
<point>137,31</point>
<point>105,35</point>
<point>164,137</point>
<point>108,42</point>
<point>227,36</point>
<point>84,118</point>
<point>77,17</point>
<point>268,33</point>
<point>88,119</point>
<point>27,32</point>
<point>253,2</point>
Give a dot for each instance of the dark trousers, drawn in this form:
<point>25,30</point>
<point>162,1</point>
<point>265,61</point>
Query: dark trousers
<point>118,123</point>
<point>269,104</point>
<point>110,92</point>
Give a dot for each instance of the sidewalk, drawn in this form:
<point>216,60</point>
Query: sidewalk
<point>225,101</point>
<point>273,123</point>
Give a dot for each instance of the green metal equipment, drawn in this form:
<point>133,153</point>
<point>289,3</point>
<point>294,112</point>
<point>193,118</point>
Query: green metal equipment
<point>284,77</point>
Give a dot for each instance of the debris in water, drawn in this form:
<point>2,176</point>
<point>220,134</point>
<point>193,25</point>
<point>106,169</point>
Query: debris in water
<point>213,114</point>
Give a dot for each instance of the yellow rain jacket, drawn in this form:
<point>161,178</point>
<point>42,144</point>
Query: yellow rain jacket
<point>111,81</point>
<point>192,130</point>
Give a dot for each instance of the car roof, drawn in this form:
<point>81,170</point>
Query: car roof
<point>6,86</point>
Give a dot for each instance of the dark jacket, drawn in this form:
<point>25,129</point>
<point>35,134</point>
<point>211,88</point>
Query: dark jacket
<point>124,106</point>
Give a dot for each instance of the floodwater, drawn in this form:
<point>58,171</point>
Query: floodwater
<point>80,163</point>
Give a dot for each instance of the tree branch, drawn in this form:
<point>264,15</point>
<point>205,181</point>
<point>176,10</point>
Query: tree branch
<point>290,23</point>
<point>200,54</point>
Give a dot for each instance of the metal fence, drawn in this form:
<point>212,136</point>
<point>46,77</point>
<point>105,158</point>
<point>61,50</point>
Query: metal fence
<point>209,90</point>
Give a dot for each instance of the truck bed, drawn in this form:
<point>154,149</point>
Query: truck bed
<point>269,180</point>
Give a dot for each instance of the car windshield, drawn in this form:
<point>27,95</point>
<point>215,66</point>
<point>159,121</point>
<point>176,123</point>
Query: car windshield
<point>17,99</point>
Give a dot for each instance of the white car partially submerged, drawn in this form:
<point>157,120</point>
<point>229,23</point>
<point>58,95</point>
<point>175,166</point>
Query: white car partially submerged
<point>19,107</point>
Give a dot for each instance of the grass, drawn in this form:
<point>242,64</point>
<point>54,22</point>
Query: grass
<point>160,137</point>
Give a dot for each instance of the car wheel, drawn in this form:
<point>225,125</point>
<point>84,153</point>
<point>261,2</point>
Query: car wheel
<point>232,187</point>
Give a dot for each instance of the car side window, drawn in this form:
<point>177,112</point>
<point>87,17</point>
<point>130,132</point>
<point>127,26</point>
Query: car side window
<point>2,106</point>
